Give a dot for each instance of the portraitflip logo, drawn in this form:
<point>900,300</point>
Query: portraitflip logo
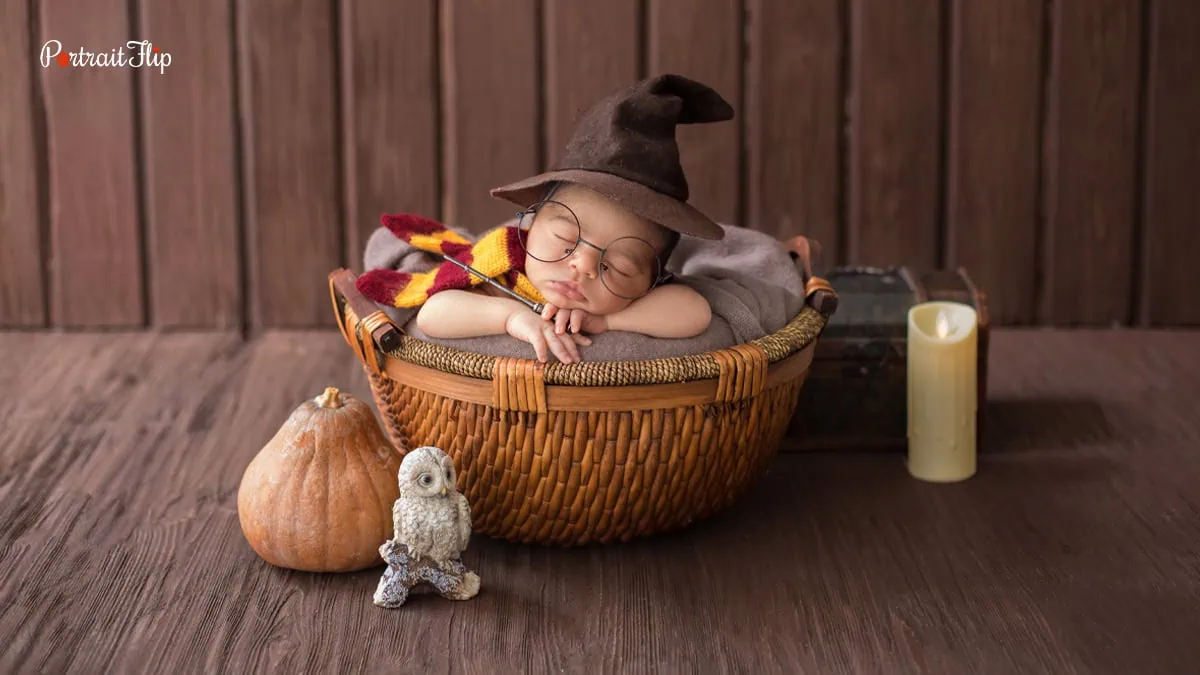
<point>141,54</point>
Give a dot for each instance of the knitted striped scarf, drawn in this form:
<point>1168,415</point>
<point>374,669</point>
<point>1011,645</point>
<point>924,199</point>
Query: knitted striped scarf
<point>498,254</point>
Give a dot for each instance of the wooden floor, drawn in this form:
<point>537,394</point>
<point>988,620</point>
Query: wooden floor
<point>1076,549</point>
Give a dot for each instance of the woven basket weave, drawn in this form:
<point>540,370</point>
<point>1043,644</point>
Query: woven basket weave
<point>593,451</point>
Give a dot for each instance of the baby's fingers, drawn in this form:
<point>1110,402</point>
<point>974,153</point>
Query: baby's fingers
<point>571,347</point>
<point>578,317</point>
<point>549,311</point>
<point>558,346</point>
<point>539,345</point>
<point>560,322</point>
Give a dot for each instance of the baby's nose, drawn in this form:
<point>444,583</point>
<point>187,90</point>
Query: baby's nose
<point>585,261</point>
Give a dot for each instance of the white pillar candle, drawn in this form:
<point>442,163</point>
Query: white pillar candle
<point>942,393</point>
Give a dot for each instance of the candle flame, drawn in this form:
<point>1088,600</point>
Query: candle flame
<point>941,326</point>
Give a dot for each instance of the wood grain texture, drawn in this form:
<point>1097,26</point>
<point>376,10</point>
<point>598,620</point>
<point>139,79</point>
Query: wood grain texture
<point>702,39</point>
<point>1091,162</point>
<point>22,290</point>
<point>895,156</point>
<point>994,150</point>
<point>491,111</point>
<point>290,117</point>
<point>120,547</point>
<point>794,120</point>
<point>1171,198</point>
<point>590,50</point>
<point>146,516</point>
<point>390,104</point>
<point>96,237</point>
<point>192,174</point>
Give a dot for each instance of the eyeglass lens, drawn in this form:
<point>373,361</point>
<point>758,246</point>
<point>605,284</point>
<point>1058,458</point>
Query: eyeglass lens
<point>550,232</point>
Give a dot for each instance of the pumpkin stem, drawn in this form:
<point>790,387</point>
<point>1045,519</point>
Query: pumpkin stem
<point>330,398</point>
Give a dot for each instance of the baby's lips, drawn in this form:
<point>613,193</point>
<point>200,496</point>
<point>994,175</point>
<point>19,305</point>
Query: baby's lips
<point>570,290</point>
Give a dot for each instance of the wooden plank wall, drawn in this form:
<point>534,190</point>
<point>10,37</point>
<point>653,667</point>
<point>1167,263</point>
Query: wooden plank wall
<point>1050,146</point>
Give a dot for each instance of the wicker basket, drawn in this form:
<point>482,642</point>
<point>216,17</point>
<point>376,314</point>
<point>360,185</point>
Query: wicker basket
<point>592,451</point>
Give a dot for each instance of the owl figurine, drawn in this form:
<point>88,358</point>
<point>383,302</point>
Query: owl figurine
<point>432,525</point>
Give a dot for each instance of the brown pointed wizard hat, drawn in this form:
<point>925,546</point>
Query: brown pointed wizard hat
<point>624,147</point>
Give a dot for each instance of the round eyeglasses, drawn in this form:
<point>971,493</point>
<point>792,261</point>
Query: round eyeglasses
<point>628,267</point>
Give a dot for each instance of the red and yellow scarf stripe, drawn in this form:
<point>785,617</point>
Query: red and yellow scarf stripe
<point>497,254</point>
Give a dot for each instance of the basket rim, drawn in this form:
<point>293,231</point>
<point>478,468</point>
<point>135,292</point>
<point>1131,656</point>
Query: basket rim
<point>803,329</point>
<point>597,398</point>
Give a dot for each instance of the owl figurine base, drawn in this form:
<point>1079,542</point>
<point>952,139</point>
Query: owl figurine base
<point>432,525</point>
<point>403,576</point>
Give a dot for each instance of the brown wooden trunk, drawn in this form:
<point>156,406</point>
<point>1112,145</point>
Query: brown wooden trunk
<point>855,396</point>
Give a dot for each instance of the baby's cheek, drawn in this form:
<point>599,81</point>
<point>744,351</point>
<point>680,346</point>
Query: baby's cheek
<point>539,271</point>
<point>536,277</point>
<point>605,303</point>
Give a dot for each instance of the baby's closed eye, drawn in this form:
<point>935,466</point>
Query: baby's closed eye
<point>623,267</point>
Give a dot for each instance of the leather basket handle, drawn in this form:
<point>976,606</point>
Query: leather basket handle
<point>806,252</point>
<point>372,326</point>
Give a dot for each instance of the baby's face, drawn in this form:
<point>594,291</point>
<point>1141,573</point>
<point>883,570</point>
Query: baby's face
<point>578,280</point>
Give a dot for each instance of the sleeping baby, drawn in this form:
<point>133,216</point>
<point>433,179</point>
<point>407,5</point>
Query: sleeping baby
<point>599,266</point>
<point>593,237</point>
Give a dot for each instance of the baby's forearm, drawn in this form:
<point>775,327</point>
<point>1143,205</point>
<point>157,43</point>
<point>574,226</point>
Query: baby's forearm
<point>675,311</point>
<point>462,314</point>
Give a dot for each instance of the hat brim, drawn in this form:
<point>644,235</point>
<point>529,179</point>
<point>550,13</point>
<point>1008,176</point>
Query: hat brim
<point>646,202</point>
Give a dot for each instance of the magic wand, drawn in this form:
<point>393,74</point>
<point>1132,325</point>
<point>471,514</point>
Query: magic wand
<point>535,306</point>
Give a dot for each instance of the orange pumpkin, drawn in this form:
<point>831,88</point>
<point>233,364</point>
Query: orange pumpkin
<point>318,496</point>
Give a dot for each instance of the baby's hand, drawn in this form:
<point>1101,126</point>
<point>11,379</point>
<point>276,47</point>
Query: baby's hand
<point>529,327</point>
<point>574,320</point>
